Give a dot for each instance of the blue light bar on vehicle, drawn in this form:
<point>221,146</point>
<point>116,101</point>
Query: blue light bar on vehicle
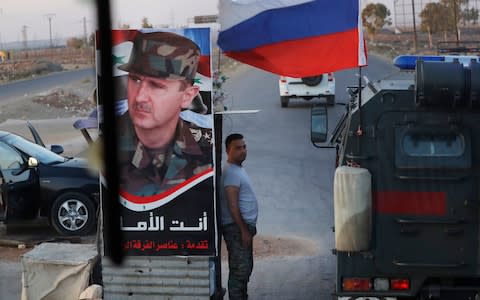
<point>407,62</point>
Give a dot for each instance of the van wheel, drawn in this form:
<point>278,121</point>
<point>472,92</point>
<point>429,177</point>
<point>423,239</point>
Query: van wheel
<point>331,100</point>
<point>284,101</point>
<point>73,214</point>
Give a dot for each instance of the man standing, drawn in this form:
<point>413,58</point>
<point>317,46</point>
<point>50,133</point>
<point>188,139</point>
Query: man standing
<point>157,149</point>
<point>239,217</point>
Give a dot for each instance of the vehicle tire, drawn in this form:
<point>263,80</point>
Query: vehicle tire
<point>73,214</point>
<point>284,101</point>
<point>312,80</point>
<point>331,100</point>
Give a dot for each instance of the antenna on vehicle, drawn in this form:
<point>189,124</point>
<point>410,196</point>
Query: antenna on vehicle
<point>359,129</point>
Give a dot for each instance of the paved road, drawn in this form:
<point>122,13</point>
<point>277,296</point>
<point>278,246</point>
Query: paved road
<point>293,180</point>
<point>24,87</point>
<point>52,131</point>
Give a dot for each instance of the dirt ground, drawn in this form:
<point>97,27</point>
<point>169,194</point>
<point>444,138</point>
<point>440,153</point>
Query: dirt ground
<point>72,101</point>
<point>268,246</point>
<point>263,246</point>
<point>12,253</point>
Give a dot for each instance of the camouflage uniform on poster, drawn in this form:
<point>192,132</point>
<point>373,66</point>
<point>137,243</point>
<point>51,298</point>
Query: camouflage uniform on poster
<point>145,172</point>
<point>157,149</point>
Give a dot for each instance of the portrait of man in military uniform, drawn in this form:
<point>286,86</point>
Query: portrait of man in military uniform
<point>158,149</point>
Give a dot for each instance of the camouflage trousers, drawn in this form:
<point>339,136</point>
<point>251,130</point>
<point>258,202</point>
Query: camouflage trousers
<point>240,261</point>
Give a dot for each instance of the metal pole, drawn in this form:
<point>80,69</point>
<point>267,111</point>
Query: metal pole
<point>414,28</point>
<point>24,35</point>
<point>50,17</point>
<point>50,30</point>
<point>110,203</point>
<point>85,32</point>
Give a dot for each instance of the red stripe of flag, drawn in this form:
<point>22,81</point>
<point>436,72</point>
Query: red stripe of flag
<point>320,54</point>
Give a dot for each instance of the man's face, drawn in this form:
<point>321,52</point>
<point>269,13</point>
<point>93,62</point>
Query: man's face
<point>237,151</point>
<point>156,102</point>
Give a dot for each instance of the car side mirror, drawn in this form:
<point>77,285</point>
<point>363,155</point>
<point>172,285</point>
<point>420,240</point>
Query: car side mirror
<point>32,162</point>
<point>318,124</point>
<point>58,149</point>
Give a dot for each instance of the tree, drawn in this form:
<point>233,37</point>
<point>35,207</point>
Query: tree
<point>145,23</point>
<point>455,14</point>
<point>433,20</point>
<point>469,15</point>
<point>374,17</point>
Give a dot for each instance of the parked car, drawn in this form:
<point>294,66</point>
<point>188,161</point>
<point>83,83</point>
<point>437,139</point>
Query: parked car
<point>36,181</point>
<point>322,85</point>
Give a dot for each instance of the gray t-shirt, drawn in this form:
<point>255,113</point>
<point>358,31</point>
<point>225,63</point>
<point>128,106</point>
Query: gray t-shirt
<point>234,175</point>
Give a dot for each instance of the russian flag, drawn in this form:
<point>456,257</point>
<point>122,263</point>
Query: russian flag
<point>295,38</point>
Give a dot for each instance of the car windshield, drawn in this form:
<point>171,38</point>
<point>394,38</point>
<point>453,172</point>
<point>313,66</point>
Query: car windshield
<point>43,155</point>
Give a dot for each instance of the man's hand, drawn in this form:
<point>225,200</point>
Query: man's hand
<point>246,238</point>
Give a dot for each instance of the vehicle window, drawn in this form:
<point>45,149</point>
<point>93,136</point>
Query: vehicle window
<point>43,155</point>
<point>9,158</point>
<point>433,145</point>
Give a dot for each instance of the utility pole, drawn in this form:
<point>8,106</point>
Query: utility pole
<point>395,14</point>
<point>414,28</point>
<point>25,39</point>
<point>50,17</point>
<point>85,39</point>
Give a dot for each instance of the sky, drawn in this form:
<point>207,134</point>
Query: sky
<point>66,18</point>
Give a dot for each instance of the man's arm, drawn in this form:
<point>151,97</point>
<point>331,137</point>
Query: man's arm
<point>232,193</point>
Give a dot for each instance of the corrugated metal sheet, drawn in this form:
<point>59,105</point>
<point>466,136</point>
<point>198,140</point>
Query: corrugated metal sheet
<point>157,277</point>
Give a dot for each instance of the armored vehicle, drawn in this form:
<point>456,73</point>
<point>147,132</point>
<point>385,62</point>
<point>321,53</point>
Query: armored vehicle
<point>406,186</point>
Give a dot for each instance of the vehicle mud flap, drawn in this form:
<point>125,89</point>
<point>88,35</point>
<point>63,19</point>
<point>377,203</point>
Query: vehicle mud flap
<point>284,101</point>
<point>331,100</point>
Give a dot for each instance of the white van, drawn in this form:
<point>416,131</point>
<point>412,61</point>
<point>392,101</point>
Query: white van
<point>307,88</point>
